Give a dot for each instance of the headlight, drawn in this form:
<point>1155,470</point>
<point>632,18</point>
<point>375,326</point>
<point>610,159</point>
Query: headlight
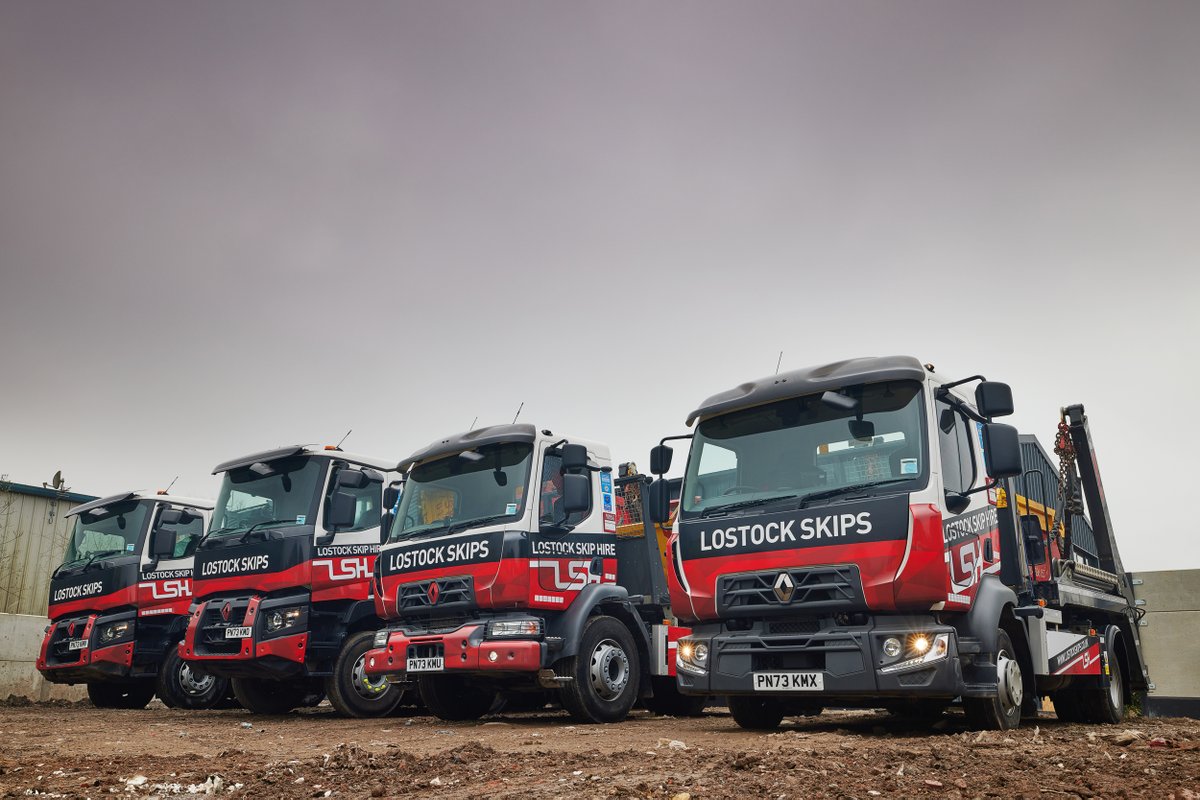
<point>892,647</point>
<point>922,650</point>
<point>514,629</point>
<point>281,619</point>
<point>110,633</point>
<point>381,638</point>
<point>692,656</point>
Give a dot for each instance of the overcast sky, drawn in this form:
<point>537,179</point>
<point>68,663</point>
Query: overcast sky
<point>230,226</point>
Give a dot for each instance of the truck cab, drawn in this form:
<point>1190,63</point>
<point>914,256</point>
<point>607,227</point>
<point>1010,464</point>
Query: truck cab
<point>119,606</point>
<point>846,536</point>
<point>283,596</point>
<point>507,572</point>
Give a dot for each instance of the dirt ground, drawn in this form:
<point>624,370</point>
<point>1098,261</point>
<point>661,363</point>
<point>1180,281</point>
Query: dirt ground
<point>79,751</point>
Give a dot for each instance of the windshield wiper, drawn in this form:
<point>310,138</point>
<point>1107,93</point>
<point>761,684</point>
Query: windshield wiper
<point>470,523</point>
<point>258,525</point>
<point>88,563</point>
<point>209,533</point>
<point>858,487</point>
<point>758,501</point>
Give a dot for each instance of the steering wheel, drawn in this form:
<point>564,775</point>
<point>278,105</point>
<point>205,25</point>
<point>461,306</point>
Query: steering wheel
<point>740,489</point>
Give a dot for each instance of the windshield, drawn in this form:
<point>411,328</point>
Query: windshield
<point>279,492</point>
<point>479,486</point>
<point>803,447</point>
<point>113,529</point>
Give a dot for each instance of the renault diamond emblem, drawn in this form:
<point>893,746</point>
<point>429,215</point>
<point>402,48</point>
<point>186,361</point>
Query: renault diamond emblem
<point>432,593</point>
<point>785,587</point>
<point>225,610</point>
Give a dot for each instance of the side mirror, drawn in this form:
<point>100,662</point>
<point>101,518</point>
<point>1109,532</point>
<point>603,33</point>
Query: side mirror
<point>660,459</point>
<point>660,501</point>
<point>391,496</point>
<point>576,493</point>
<point>351,479</point>
<point>341,510</point>
<point>1001,451</point>
<point>574,457</point>
<point>994,399</point>
<point>162,543</point>
<point>171,516</point>
<point>957,503</point>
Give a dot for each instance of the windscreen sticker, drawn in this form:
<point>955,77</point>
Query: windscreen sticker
<point>511,508</point>
<point>908,466</point>
<point>300,518</point>
<point>129,547</point>
<point>610,523</point>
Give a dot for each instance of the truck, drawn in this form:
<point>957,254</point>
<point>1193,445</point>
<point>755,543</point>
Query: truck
<point>520,570</point>
<point>119,603</point>
<point>850,535</point>
<point>283,603</point>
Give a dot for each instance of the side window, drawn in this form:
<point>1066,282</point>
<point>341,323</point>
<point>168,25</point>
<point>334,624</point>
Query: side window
<point>187,533</point>
<point>368,502</point>
<point>550,513</point>
<point>958,456</point>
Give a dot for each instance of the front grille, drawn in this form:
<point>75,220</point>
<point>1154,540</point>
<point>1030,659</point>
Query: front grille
<point>794,626</point>
<point>812,589</point>
<point>210,635</point>
<point>425,650</point>
<point>58,653</point>
<point>797,652</point>
<point>421,597</point>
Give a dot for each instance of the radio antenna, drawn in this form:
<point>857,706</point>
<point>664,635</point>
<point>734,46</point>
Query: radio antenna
<point>778,362</point>
<point>473,423</point>
<point>518,412</point>
<point>344,438</point>
<point>169,485</point>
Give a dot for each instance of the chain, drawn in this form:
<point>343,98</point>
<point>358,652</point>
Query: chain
<point>1064,448</point>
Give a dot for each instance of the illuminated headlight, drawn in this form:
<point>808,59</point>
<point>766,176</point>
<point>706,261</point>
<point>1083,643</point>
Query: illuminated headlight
<point>381,638</point>
<point>692,656</point>
<point>117,630</point>
<point>281,619</point>
<point>921,651</point>
<point>514,629</point>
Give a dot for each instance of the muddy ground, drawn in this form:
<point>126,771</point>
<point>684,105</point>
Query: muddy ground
<point>80,751</point>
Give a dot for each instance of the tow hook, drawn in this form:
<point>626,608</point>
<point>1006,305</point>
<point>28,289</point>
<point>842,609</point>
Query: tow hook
<point>548,680</point>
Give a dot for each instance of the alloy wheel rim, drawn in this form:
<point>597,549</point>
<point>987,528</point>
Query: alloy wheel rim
<point>1011,691</point>
<point>367,688</point>
<point>195,682</point>
<point>609,669</point>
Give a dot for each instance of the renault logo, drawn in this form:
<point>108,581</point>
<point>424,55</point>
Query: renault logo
<point>785,587</point>
<point>433,592</point>
<point>226,610</point>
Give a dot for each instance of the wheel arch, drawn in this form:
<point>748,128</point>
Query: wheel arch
<point>592,598</point>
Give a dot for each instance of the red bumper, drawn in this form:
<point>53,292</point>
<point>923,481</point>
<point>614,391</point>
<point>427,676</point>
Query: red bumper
<point>114,661</point>
<point>463,650</point>
<point>289,648</point>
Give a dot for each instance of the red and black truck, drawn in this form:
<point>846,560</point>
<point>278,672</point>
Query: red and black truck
<point>119,603</point>
<point>283,602</point>
<point>850,535</point>
<point>519,567</point>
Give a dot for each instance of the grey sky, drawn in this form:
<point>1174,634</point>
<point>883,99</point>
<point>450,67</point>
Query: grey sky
<point>227,226</point>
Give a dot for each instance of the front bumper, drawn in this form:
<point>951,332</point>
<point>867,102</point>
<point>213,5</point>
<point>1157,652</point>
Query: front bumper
<point>94,661</point>
<point>262,653</point>
<point>463,649</point>
<point>849,660</point>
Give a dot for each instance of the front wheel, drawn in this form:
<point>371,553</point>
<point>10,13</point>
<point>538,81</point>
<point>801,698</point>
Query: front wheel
<point>454,698</point>
<point>604,673</point>
<point>183,684</point>
<point>351,690</point>
<point>263,696</point>
<point>110,694</point>
<point>1002,712</point>
<point>755,713</point>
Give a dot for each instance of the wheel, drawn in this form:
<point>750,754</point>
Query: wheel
<point>671,702</point>
<point>454,698</point>
<point>111,694</point>
<point>755,713</point>
<point>183,684</point>
<point>350,690</point>
<point>1002,712</point>
<point>1105,705</point>
<point>263,696</point>
<point>604,673</point>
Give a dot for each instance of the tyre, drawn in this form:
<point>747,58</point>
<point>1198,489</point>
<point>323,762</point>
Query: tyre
<point>671,702</point>
<point>111,694</point>
<point>183,684</point>
<point>1002,712</point>
<point>454,698</point>
<point>1106,704</point>
<point>350,690</point>
<point>605,673</point>
<point>263,696</point>
<point>755,713</point>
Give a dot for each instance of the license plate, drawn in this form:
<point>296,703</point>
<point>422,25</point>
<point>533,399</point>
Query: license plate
<point>240,632</point>
<point>77,644</point>
<point>426,664</point>
<point>789,681</point>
